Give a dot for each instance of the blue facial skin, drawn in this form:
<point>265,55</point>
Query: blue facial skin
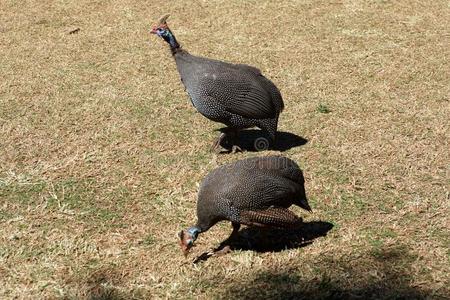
<point>161,32</point>
<point>167,36</point>
<point>193,231</point>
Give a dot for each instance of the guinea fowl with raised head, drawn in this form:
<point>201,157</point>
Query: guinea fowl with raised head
<point>236,95</point>
<point>255,192</point>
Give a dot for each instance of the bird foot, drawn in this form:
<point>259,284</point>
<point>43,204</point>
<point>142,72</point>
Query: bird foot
<point>223,251</point>
<point>236,148</point>
<point>217,147</point>
<point>213,252</point>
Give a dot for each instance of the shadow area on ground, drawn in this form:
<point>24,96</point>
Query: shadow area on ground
<point>247,140</point>
<point>274,240</point>
<point>379,275</point>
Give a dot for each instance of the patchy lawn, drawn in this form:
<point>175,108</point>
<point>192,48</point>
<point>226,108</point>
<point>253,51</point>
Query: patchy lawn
<point>101,151</point>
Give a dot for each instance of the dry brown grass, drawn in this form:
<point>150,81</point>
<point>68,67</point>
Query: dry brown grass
<point>101,151</point>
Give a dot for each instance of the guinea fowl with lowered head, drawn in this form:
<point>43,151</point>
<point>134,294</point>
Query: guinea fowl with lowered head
<point>236,95</point>
<point>255,192</point>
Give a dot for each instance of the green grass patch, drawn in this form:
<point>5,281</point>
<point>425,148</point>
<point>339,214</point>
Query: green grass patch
<point>323,108</point>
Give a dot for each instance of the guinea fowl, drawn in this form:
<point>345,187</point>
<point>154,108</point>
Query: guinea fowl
<point>255,192</point>
<point>236,95</point>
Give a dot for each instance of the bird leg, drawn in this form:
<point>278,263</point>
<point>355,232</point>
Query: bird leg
<point>224,247</point>
<point>235,148</point>
<point>216,145</point>
<point>230,134</point>
<point>233,137</point>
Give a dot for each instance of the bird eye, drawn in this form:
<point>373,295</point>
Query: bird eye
<point>189,243</point>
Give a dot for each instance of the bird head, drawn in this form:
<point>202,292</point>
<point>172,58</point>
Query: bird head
<point>160,28</point>
<point>187,238</point>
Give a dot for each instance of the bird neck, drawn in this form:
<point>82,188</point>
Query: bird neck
<point>172,41</point>
<point>194,231</point>
<point>205,223</point>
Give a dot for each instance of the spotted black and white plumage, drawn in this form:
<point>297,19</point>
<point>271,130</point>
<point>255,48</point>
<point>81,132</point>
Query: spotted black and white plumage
<point>236,95</point>
<point>254,191</point>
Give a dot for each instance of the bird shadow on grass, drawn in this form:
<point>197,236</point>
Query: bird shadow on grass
<point>247,139</point>
<point>381,275</point>
<point>274,240</point>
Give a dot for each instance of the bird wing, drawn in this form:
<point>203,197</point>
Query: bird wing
<point>246,98</point>
<point>272,216</point>
<point>277,165</point>
<point>274,92</point>
<point>254,70</point>
<point>267,85</point>
<point>265,190</point>
<point>276,189</point>
<point>241,90</point>
<point>252,101</point>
